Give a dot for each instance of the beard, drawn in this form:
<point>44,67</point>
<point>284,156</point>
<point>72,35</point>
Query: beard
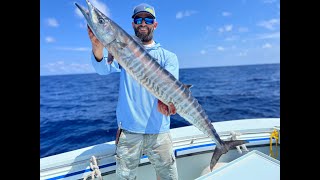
<point>144,37</point>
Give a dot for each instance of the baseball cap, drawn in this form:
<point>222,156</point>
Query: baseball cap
<point>144,8</point>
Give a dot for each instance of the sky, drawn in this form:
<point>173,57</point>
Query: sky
<point>203,33</point>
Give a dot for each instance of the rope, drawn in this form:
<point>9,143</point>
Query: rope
<point>275,135</point>
<point>95,169</point>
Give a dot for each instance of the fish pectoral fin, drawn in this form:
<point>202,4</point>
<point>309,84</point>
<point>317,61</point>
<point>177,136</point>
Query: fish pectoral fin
<point>122,44</point>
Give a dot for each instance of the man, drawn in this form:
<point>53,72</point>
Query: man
<point>143,120</point>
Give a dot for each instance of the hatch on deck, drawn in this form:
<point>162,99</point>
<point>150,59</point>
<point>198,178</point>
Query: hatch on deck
<point>251,166</point>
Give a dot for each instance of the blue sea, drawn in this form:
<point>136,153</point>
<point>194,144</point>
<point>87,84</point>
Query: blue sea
<point>77,111</point>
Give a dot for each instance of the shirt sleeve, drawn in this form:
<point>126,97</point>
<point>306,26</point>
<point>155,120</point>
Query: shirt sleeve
<point>102,67</point>
<point>172,65</point>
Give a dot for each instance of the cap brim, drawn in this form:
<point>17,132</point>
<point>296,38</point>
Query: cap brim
<point>141,12</point>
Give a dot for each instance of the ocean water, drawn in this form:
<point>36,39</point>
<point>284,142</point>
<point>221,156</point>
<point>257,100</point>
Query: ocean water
<point>77,111</point>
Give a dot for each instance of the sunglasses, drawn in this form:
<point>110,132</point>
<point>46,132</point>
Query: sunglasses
<point>138,20</point>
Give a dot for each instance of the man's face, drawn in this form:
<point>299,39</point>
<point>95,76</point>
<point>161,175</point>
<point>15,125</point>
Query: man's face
<point>144,31</point>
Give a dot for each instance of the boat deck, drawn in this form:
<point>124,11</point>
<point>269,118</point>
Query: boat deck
<point>192,149</point>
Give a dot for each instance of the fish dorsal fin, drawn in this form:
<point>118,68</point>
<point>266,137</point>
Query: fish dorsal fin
<point>188,86</point>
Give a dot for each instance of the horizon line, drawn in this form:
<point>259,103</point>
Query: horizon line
<point>179,68</point>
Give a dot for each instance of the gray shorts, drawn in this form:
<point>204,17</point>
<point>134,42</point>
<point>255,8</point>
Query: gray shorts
<point>158,148</point>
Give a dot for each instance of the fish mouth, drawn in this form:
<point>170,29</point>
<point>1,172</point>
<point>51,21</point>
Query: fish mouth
<point>83,11</point>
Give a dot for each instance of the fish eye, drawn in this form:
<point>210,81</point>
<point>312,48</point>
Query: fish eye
<point>101,20</point>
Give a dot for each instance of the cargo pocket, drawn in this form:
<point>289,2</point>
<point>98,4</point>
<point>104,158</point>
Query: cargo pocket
<point>119,165</point>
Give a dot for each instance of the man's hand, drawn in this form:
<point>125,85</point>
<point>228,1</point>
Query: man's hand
<point>97,46</point>
<point>166,110</point>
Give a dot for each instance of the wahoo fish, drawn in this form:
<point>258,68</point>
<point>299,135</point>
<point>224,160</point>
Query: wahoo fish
<point>140,65</point>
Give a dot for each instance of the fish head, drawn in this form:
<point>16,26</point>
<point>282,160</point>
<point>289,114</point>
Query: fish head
<point>101,25</point>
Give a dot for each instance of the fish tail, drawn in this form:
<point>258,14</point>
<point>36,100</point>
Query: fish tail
<point>219,150</point>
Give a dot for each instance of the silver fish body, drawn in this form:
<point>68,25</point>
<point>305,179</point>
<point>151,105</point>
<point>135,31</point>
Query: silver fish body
<point>140,65</point>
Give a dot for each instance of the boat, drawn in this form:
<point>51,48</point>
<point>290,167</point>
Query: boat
<point>260,157</point>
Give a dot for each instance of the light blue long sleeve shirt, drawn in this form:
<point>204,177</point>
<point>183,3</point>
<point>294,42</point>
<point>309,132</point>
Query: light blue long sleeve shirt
<point>137,108</point>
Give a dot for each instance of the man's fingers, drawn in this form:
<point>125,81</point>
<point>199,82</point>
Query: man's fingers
<point>162,108</point>
<point>172,108</point>
<point>91,35</point>
<point>89,30</point>
<point>166,110</point>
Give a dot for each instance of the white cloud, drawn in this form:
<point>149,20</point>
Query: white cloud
<point>267,45</point>
<point>221,29</point>
<point>60,67</point>
<point>243,53</point>
<point>52,22</point>
<point>270,24</point>
<point>228,27</point>
<point>269,35</point>
<point>209,28</point>
<point>220,48</point>
<point>225,28</point>
<point>243,29</point>
<point>203,52</point>
<point>83,25</point>
<point>74,49</point>
<point>78,13</point>
<point>232,38</point>
<point>182,14</point>
<point>226,14</point>
<point>99,5</point>
<point>50,39</point>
